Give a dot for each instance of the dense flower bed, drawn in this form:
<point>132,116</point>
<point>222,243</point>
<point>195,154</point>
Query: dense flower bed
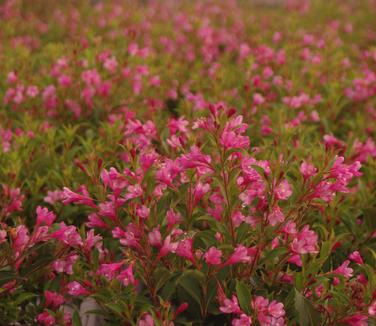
<point>188,162</point>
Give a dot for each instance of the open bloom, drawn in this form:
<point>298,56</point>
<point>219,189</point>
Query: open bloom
<point>76,289</point>
<point>213,256</point>
<point>240,255</point>
<point>344,270</point>
<point>230,306</point>
<point>243,320</point>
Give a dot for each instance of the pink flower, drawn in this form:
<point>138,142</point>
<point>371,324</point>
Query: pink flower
<point>230,306</point>
<point>295,259</point>
<point>356,320</point>
<point>356,257</point>
<point>195,159</point>
<point>65,265</point>
<point>173,218</point>
<point>94,221</point>
<point>53,299</point>
<point>372,308</point>
<point>113,179</point>
<point>232,134</point>
<point>258,99</point>
<point>128,238</point>
<point>269,313</point>
<point>20,239</point>
<point>167,247</point>
<point>109,271</point>
<point>260,303</point>
<point>54,196</point>
<point>72,197</point>
<point>146,320</point>
<point>133,192</point>
<point>199,191</point>
<point>243,320</point>
<point>143,212</point>
<point>213,256</point>
<point>110,64</point>
<point>3,235</point>
<point>307,169</point>
<point>276,216</point>
<point>305,242</point>
<point>344,270</point>
<point>240,255</point>
<point>76,289</point>
<point>32,91</point>
<point>283,190</point>
<point>46,319</point>
<point>237,218</point>
<point>44,216</point>
<point>179,124</point>
<point>126,277</point>
<point>184,249</point>
<point>276,309</point>
<point>67,235</point>
<point>15,199</point>
<point>229,139</point>
<point>155,238</point>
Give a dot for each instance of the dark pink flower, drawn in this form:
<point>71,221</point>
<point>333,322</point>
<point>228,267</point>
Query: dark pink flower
<point>356,257</point>
<point>53,299</point>
<point>46,319</point>
<point>44,216</point>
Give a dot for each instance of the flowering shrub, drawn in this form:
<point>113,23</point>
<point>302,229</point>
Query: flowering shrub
<point>188,163</point>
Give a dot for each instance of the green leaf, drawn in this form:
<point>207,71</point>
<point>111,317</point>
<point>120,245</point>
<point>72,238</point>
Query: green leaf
<point>24,297</point>
<point>370,217</point>
<point>76,320</point>
<point>191,283</point>
<point>244,296</point>
<point>115,308</point>
<point>308,315</point>
<point>7,276</point>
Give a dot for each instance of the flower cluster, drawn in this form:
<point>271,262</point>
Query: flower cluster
<point>187,162</point>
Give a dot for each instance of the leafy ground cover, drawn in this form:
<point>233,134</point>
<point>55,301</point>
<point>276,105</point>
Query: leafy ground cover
<point>188,162</point>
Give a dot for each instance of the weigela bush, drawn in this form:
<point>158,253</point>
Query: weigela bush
<point>188,163</point>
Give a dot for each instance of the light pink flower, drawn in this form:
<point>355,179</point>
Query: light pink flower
<point>307,169</point>
<point>283,190</point>
<point>146,320</point>
<point>344,270</point>
<point>240,255</point>
<point>155,238</point>
<point>243,320</point>
<point>276,216</point>
<point>230,306</point>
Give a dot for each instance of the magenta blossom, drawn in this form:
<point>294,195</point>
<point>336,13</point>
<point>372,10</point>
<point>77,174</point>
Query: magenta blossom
<point>76,289</point>
<point>213,256</point>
